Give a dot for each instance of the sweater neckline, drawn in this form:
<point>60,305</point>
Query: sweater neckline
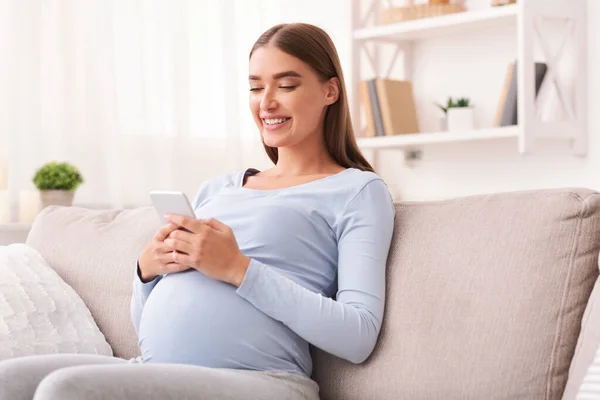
<point>252,171</point>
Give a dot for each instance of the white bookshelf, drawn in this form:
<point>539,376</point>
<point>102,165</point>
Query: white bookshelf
<point>523,17</point>
<point>442,25</point>
<point>420,139</point>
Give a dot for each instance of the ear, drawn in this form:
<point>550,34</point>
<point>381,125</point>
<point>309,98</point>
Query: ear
<point>333,91</point>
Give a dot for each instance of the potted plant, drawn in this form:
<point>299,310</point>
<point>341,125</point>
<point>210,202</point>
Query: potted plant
<point>444,108</point>
<point>57,183</point>
<point>459,115</point>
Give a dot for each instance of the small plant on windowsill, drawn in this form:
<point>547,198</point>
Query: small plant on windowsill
<point>459,115</point>
<point>57,182</point>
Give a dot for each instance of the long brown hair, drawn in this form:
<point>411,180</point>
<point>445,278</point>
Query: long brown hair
<point>313,46</point>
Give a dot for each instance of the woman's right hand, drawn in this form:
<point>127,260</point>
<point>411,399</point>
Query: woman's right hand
<point>157,257</point>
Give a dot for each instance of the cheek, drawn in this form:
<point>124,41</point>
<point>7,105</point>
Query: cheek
<point>305,106</point>
<point>254,106</point>
<point>308,113</point>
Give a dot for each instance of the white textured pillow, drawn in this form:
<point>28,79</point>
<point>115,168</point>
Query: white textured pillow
<point>39,312</point>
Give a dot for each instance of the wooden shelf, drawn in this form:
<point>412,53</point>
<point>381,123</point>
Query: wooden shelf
<point>440,26</point>
<point>420,139</point>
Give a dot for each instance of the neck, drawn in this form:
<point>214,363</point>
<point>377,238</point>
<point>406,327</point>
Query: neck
<point>309,157</point>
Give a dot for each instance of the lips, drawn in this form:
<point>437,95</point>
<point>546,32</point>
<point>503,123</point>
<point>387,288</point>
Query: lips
<point>274,122</point>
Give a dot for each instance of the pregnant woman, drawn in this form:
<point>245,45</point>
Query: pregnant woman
<point>227,304</point>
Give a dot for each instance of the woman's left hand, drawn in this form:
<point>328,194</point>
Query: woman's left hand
<point>209,247</point>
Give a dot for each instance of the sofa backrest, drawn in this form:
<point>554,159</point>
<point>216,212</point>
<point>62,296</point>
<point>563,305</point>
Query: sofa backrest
<point>485,293</point>
<point>485,298</point>
<point>95,252</point>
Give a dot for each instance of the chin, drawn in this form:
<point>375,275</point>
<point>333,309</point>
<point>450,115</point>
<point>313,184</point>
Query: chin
<point>274,140</point>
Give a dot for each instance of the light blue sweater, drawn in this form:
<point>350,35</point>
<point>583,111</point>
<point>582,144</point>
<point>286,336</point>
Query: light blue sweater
<point>317,276</point>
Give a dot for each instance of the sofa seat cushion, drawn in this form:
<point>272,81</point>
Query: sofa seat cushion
<point>39,312</point>
<point>485,297</point>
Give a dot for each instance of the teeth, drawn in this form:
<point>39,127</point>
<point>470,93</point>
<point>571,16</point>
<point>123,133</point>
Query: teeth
<point>272,121</point>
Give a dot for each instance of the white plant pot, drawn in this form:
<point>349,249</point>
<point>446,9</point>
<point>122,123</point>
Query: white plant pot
<point>460,119</point>
<point>56,197</point>
<point>444,123</point>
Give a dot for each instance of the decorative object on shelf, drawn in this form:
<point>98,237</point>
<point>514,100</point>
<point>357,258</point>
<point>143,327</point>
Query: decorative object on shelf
<point>389,107</point>
<point>411,11</point>
<point>449,104</point>
<point>4,207</point>
<point>444,108</point>
<point>57,183</point>
<point>459,115</point>
<point>498,3</point>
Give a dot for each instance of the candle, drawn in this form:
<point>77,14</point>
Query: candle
<point>3,174</point>
<point>4,207</point>
<point>29,205</point>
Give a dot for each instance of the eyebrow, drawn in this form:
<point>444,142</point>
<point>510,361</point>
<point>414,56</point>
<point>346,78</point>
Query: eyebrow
<point>278,75</point>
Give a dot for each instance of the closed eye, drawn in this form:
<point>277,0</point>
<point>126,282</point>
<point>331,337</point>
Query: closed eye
<point>288,88</point>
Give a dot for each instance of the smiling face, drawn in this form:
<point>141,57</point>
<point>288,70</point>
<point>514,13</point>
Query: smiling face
<point>287,98</point>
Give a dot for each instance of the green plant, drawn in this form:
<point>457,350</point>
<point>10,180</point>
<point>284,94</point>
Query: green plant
<point>462,102</point>
<point>57,176</point>
<point>451,103</point>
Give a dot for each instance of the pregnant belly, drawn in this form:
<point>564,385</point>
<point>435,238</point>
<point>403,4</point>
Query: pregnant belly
<point>192,319</point>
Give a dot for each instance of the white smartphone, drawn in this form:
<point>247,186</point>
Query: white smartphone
<point>171,202</point>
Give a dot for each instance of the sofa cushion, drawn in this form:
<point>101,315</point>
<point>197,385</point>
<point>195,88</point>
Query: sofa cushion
<point>485,295</point>
<point>95,252</point>
<point>39,312</point>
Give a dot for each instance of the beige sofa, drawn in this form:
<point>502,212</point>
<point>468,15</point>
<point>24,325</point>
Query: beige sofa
<point>486,294</point>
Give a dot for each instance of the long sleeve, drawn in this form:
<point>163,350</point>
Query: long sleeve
<point>347,326</point>
<point>139,295</point>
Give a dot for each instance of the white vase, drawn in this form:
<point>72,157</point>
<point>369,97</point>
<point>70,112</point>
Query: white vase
<point>460,119</point>
<point>56,197</point>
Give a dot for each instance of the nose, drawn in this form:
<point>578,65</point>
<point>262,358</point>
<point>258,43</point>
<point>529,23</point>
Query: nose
<point>268,101</point>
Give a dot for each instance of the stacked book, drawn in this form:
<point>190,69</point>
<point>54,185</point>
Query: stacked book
<point>506,113</point>
<point>389,107</point>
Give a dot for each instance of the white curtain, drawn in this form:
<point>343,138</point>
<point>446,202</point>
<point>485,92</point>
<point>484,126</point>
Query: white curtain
<point>138,94</point>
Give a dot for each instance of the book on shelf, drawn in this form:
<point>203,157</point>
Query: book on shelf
<point>389,107</point>
<point>507,111</point>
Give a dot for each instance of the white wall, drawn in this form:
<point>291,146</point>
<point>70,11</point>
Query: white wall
<point>474,66</point>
